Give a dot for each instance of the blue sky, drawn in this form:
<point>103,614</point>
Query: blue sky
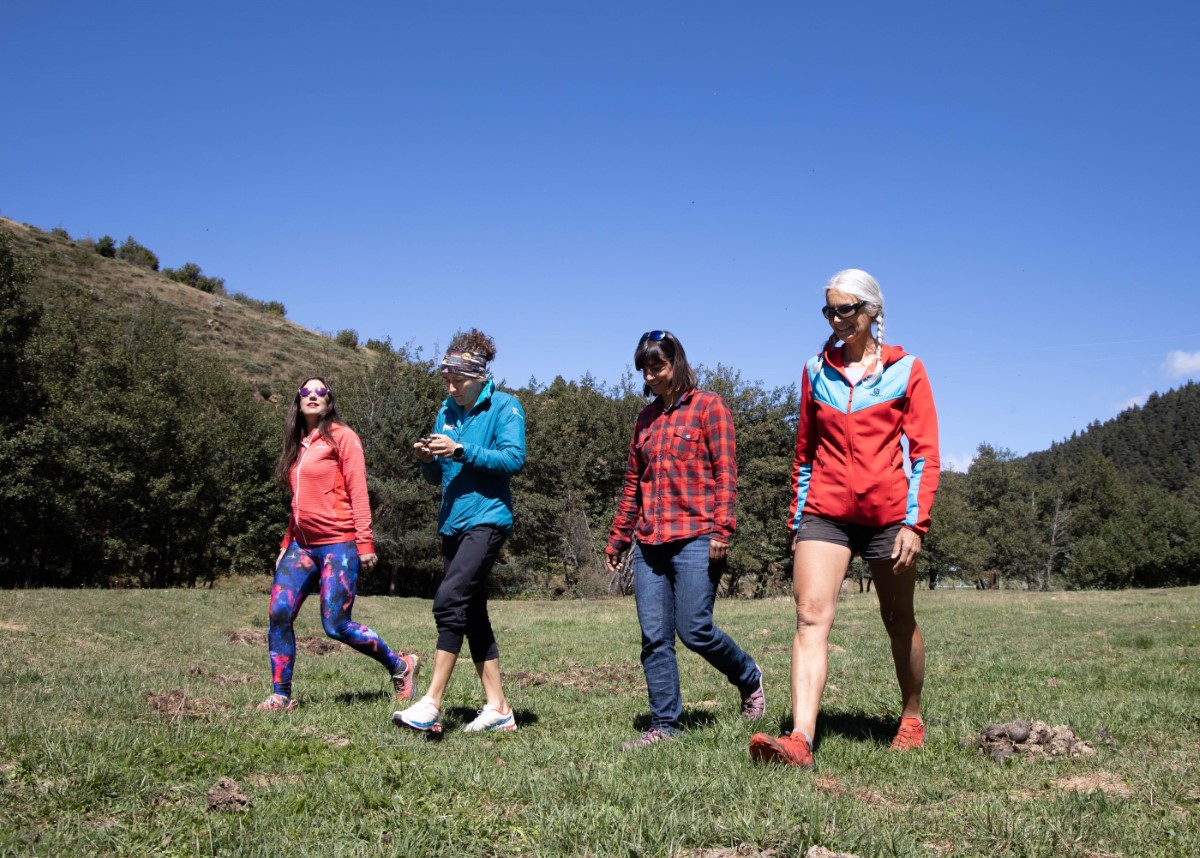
<point>1022,178</point>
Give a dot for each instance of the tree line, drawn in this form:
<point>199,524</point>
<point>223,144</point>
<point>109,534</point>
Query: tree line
<point>128,459</point>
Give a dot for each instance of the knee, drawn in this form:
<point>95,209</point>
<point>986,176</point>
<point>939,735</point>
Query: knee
<point>899,623</point>
<point>448,615</point>
<point>813,615</point>
<point>697,636</point>
<point>279,611</point>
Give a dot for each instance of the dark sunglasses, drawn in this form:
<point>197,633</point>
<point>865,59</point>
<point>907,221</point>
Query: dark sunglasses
<point>842,311</point>
<point>654,336</point>
<point>319,391</point>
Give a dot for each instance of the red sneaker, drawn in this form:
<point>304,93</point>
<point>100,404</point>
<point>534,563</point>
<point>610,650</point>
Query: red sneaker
<point>911,735</point>
<point>404,680</point>
<point>793,750</point>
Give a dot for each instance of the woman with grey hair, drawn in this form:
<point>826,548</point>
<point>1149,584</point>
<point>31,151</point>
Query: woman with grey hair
<point>851,495</point>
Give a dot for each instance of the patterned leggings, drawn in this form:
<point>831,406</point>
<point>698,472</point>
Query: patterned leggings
<point>336,566</point>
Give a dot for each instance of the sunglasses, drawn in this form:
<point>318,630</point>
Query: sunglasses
<point>842,311</point>
<point>654,336</point>
<point>309,391</point>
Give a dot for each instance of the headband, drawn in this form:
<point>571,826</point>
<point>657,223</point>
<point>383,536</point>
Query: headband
<point>466,364</point>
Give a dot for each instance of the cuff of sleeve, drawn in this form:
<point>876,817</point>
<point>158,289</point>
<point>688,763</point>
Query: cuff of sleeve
<point>615,548</point>
<point>365,548</point>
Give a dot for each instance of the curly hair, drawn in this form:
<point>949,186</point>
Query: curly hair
<point>474,341</point>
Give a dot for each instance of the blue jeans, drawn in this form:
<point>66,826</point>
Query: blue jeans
<point>675,586</point>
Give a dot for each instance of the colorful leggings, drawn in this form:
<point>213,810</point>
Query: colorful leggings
<point>336,566</point>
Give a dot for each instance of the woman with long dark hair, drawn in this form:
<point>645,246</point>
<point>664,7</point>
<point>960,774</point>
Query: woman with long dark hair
<point>328,538</point>
<point>680,488</point>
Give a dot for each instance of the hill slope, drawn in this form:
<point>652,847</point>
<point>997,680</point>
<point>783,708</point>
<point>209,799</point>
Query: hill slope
<point>268,351</point>
<point>1157,443</point>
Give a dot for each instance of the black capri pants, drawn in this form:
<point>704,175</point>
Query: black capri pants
<point>460,604</point>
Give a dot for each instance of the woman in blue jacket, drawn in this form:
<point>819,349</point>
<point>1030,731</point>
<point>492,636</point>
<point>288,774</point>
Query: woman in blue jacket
<point>477,445</point>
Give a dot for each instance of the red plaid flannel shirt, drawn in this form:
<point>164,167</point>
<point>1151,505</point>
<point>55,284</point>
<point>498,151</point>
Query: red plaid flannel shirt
<point>681,479</point>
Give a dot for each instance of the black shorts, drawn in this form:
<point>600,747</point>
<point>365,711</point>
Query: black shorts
<point>869,543</point>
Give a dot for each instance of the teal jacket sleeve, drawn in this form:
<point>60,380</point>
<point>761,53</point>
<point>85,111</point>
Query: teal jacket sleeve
<point>506,452</point>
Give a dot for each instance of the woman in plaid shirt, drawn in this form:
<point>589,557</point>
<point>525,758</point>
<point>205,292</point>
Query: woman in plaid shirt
<point>677,510</point>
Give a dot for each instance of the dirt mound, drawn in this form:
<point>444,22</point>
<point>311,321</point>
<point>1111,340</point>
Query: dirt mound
<point>311,644</point>
<point>226,795</point>
<point>1031,741</point>
<point>178,704</point>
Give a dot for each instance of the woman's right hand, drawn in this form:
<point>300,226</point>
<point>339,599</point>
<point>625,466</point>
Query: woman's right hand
<point>421,448</point>
<point>612,561</point>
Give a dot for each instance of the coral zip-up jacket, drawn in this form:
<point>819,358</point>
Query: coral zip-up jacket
<point>849,464</point>
<point>329,492</point>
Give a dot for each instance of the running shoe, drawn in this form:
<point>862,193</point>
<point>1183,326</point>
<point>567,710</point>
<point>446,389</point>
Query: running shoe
<point>404,680</point>
<point>491,718</point>
<point>277,703</point>
<point>910,736</point>
<point>754,704</point>
<point>792,750</point>
<point>423,715</point>
<point>651,737</point>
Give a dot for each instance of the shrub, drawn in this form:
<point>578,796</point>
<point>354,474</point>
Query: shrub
<point>137,254</point>
<point>191,274</point>
<point>106,246</point>
<point>60,232</point>
<point>383,346</point>
<point>347,337</point>
<point>274,307</point>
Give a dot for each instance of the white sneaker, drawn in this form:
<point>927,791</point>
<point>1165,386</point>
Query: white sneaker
<point>422,715</point>
<point>490,718</point>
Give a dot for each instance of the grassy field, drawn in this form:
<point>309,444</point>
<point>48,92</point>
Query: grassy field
<point>120,710</point>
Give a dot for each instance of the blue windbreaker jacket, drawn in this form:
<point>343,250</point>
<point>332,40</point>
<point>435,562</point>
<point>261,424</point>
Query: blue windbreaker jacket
<point>476,490</point>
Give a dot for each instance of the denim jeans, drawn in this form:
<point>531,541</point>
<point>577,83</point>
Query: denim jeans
<point>675,586</point>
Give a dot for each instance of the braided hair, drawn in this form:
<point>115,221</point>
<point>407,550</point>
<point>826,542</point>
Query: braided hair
<point>864,287</point>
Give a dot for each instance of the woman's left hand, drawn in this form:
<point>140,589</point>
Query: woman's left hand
<point>442,446</point>
<point>905,551</point>
<point>717,550</point>
<point>368,561</point>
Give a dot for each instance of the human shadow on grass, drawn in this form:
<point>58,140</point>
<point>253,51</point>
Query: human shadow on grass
<point>355,697</point>
<point>852,725</point>
<point>457,716</point>
<point>691,719</point>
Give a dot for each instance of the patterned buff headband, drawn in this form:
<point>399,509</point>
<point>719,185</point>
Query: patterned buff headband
<point>465,364</point>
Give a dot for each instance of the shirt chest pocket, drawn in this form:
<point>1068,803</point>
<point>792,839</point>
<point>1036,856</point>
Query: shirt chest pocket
<point>685,444</point>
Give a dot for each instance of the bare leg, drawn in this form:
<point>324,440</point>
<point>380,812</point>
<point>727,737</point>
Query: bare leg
<point>895,592</point>
<point>817,572</point>
<point>443,666</point>
<point>489,676</point>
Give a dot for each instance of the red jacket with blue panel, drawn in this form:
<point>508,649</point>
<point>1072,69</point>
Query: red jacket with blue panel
<point>849,463</point>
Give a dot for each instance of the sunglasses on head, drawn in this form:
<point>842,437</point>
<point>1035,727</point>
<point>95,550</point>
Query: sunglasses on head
<point>842,311</point>
<point>654,336</point>
<point>309,391</point>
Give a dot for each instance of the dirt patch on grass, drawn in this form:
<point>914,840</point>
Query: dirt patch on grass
<point>12,627</point>
<point>274,780</point>
<point>311,644</point>
<point>1105,782</point>
<point>179,704</point>
<point>227,795</point>
<point>622,678</point>
<point>742,850</point>
<point>240,679</point>
<point>1031,741</point>
<point>332,741</point>
<point>832,786</point>
<point>775,650</point>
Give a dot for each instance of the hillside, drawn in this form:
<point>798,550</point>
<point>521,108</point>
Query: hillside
<point>268,351</point>
<point>1157,443</point>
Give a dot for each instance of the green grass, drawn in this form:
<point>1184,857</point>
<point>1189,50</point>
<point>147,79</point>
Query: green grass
<point>88,766</point>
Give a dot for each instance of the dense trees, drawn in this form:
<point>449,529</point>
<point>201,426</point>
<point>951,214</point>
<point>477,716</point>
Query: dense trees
<point>130,460</point>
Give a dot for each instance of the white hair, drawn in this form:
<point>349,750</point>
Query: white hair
<point>864,287</point>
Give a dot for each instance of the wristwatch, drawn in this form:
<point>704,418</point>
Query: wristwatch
<point>458,453</point>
